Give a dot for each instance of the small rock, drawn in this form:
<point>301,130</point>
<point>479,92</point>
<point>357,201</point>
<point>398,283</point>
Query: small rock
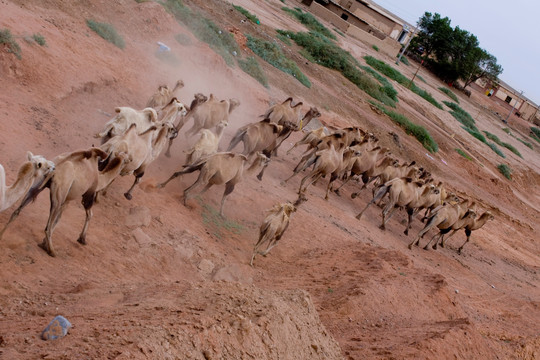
<point>141,238</point>
<point>206,266</point>
<point>56,329</point>
<point>457,291</point>
<point>138,216</point>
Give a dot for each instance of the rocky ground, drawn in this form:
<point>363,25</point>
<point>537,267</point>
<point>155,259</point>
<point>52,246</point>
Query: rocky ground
<point>158,280</point>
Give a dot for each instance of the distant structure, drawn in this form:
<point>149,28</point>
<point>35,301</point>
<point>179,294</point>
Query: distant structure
<point>509,97</point>
<point>364,20</point>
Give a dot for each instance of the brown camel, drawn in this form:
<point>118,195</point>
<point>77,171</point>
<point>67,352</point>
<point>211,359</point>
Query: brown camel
<point>32,172</point>
<point>220,168</point>
<point>311,138</point>
<point>210,113</point>
<point>77,176</point>
<point>207,144</point>
<point>469,226</point>
<point>125,117</point>
<point>171,111</point>
<point>163,95</point>
<point>197,100</point>
<point>291,126</point>
<point>443,218</point>
<point>327,161</point>
<point>286,111</point>
<point>273,227</point>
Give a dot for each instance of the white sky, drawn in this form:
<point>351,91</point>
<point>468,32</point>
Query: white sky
<point>506,29</point>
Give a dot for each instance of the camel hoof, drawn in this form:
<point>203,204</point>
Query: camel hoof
<point>382,227</point>
<point>47,250</point>
<point>81,240</point>
<point>167,154</point>
<point>283,183</point>
<point>354,195</point>
<point>337,192</point>
<point>410,246</point>
<point>259,177</point>
<point>160,186</point>
<point>426,247</point>
<point>434,247</point>
<point>128,196</point>
<point>406,232</point>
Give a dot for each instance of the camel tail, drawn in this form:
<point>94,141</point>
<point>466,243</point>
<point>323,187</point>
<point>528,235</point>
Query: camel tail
<point>236,139</point>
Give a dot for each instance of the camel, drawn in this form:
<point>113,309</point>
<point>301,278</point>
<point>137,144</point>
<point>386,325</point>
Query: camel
<point>256,137</point>
<point>327,161</point>
<point>124,118</point>
<point>210,113</point>
<point>197,100</point>
<point>286,111</point>
<point>273,227</point>
<point>291,126</point>
<point>443,218</point>
<point>220,168</point>
<point>206,145</point>
<point>32,172</point>
<point>163,95</point>
<point>402,192</point>
<point>469,226</point>
<point>311,138</point>
<point>76,175</point>
<point>171,111</point>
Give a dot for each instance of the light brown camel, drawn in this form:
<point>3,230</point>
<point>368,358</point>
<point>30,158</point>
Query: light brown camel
<point>291,126</point>
<point>273,227</point>
<point>469,226</point>
<point>285,111</point>
<point>327,161</point>
<point>163,95</point>
<point>197,100</point>
<point>210,113</point>
<point>77,176</point>
<point>207,144</point>
<point>125,117</point>
<point>32,172</point>
<point>311,138</point>
<point>402,192</point>
<point>443,218</point>
<point>220,168</point>
<point>172,111</point>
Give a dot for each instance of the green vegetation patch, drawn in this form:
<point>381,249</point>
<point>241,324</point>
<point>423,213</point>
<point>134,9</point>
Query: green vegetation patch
<point>12,46</point>
<point>107,32</point>
<point>527,144</point>
<point>394,74</point>
<point>218,224</point>
<point>375,47</point>
<point>462,116</point>
<point>247,14</point>
<point>40,39</point>
<point>183,39</point>
<point>320,50</point>
<point>535,133</point>
<point>310,22</point>
<point>450,94</point>
<point>464,154</point>
<point>252,67</point>
<point>507,130</point>
<point>222,42</point>
<point>498,141</point>
<point>418,131</point>
<point>496,149</point>
<point>272,54</point>
<point>505,170</point>
<point>284,38</point>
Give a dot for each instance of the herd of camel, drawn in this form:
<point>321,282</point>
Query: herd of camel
<point>133,139</point>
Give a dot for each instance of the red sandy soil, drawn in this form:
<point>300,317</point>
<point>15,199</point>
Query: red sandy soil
<point>158,280</point>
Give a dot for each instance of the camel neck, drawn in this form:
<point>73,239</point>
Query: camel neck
<point>10,194</point>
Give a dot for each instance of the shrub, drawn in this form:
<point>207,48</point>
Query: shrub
<point>507,130</point>
<point>404,60</point>
<point>535,133</point>
<point>418,131</point>
<point>107,32</point>
<point>247,14</point>
<point>251,67</point>
<point>12,46</point>
<point>393,74</point>
<point>320,50</point>
<point>464,154</point>
<point>272,54</point>
<point>476,133</point>
<point>450,94</point>
<point>375,47</point>
<point>339,32</point>
<point>422,79</point>
<point>493,137</point>
<point>462,116</point>
<point>310,21</point>
<point>512,149</point>
<point>496,149</point>
<point>222,42</point>
<point>527,144</point>
<point>40,39</point>
<point>284,38</point>
<point>505,170</point>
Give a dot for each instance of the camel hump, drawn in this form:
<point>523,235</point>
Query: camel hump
<point>289,99</point>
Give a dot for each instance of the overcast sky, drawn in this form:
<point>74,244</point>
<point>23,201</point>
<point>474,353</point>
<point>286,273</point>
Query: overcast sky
<point>506,29</point>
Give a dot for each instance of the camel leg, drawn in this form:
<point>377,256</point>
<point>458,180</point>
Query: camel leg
<point>137,180</point>
<point>410,215</point>
<point>339,188</point>
<point>265,165</point>
<point>194,185</point>
<point>54,216</point>
<point>229,188</point>
<point>443,241</point>
<point>468,233</point>
<point>329,187</point>
<point>387,214</point>
<point>88,200</point>
<point>433,237</point>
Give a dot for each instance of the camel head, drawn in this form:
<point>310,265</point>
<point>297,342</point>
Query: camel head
<point>261,159</point>
<point>40,164</point>
<point>197,100</point>
<point>179,84</point>
<point>288,208</point>
<point>233,104</point>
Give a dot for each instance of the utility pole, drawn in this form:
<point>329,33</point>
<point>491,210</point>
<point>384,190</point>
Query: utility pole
<point>407,45</point>
<point>513,107</point>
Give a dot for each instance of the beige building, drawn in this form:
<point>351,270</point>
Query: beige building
<point>365,21</point>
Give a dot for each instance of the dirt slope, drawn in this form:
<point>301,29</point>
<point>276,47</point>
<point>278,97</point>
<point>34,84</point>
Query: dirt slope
<point>158,280</point>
